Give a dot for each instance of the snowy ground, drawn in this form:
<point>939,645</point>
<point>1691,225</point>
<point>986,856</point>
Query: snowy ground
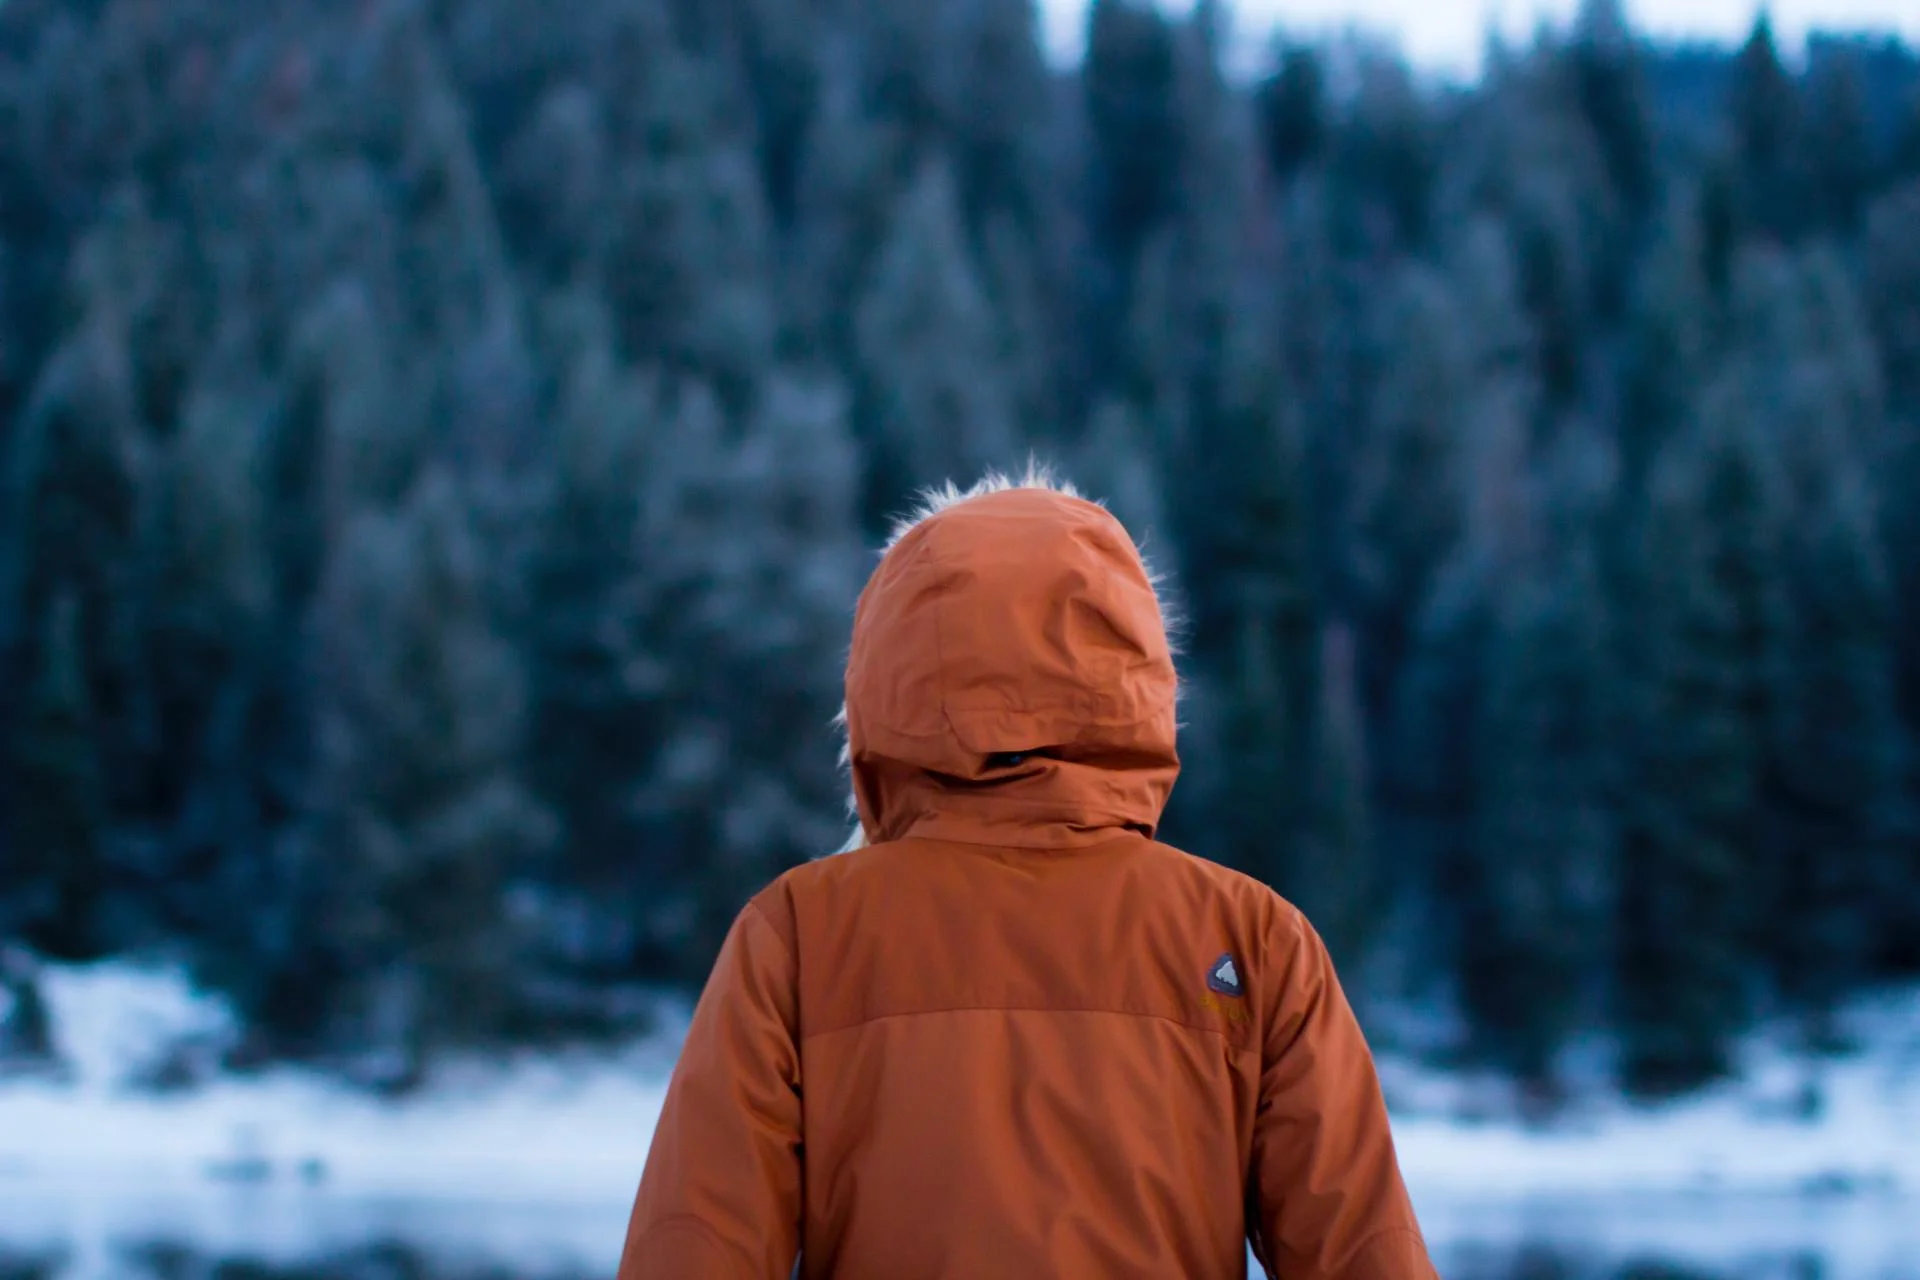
<point>1749,1136</point>
<point>536,1160</point>
<point>564,1127</point>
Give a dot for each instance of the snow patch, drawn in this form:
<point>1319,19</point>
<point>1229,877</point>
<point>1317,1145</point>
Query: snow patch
<point>557,1127</point>
<point>1788,1125</point>
<point>575,1128</point>
<point>113,1024</point>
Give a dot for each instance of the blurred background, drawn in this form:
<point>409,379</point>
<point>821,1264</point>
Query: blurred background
<point>443,440</point>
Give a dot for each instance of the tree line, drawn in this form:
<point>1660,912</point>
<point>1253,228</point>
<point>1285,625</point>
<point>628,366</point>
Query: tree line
<point>443,442</point>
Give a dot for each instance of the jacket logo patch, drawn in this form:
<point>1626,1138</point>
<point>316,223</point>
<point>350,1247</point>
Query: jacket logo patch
<point>1224,977</point>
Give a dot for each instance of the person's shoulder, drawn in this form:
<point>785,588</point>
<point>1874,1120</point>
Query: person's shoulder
<point>778,901</point>
<point>1272,943</point>
<point>1249,900</point>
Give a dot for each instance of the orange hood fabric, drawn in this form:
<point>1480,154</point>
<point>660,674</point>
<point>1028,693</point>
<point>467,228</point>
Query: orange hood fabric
<point>1014,1035</point>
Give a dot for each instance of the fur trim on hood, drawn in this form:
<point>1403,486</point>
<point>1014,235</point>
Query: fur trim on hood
<point>937,501</point>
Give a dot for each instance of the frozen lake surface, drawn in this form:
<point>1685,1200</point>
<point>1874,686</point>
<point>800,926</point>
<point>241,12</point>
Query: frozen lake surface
<point>265,1233</point>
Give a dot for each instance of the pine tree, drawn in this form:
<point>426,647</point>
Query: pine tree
<point>69,624</point>
<point>1503,427</point>
<point>1130,90</point>
<point>207,608</point>
<point>1891,276</point>
<point>1840,874</point>
<point>60,822</point>
<point>679,560</point>
<point>597,692</point>
<point>353,421</point>
<point>1813,386</point>
<point>1693,866</point>
<point>1203,369</point>
<point>775,559</point>
<point>422,826</point>
<point>1339,881</point>
<point>847,194</point>
<point>1030,349</point>
<point>1903,159</point>
<point>1610,86</point>
<point>1430,776</point>
<point>76,463</point>
<point>779,43</point>
<point>1384,159</point>
<point>1263,701</point>
<point>1000,153</point>
<point>1890,280</point>
<point>1408,500</point>
<point>1840,161</point>
<point>1721,226</point>
<point>1292,110</point>
<point>935,396</point>
<point>460,265</point>
<point>1672,339</point>
<point>686,263</point>
<point>1429,698</point>
<point>1323,341</point>
<point>1767,125</point>
<point>906,68</point>
<point>1241,507</point>
<point>1195,332</point>
<point>592,699</point>
<point>552,183</point>
<point>1543,171</point>
<point>751,568</point>
<point>1131,85</point>
<point>1542,841</point>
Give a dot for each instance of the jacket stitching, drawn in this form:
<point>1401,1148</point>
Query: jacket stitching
<point>1053,846</point>
<point>1268,1259</point>
<point>1366,1246</point>
<point>1114,722</point>
<point>787,943</point>
<point>1001,800</point>
<point>1026,1008</point>
<point>679,1221</point>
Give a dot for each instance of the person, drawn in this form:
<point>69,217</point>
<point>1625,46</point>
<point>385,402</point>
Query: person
<point>1007,1033</point>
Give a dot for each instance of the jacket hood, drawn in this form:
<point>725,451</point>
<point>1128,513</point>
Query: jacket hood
<point>1010,680</point>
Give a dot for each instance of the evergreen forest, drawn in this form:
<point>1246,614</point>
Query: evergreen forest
<point>441,442</point>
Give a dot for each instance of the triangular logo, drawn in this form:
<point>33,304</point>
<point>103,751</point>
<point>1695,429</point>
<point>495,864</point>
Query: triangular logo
<point>1224,977</point>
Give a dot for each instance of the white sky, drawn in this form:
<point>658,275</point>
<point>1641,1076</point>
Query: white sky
<point>1447,36</point>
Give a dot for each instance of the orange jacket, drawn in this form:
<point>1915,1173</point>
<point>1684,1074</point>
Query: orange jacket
<point>1014,1036</point>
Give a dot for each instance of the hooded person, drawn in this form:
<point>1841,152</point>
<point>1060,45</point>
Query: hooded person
<point>1006,1032</point>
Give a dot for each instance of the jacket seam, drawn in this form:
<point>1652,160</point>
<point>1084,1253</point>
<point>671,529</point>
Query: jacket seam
<point>1027,1008</point>
<point>786,942</point>
<point>1360,1251</point>
<point>1031,710</point>
<point>790,962</point>
<point>1039,804</point>
<point>677,1221</point>
<point>1108,843</point>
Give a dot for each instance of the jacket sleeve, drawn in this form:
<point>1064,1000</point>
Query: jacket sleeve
<point>1327,1200</point>
<point>720,1197</point>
